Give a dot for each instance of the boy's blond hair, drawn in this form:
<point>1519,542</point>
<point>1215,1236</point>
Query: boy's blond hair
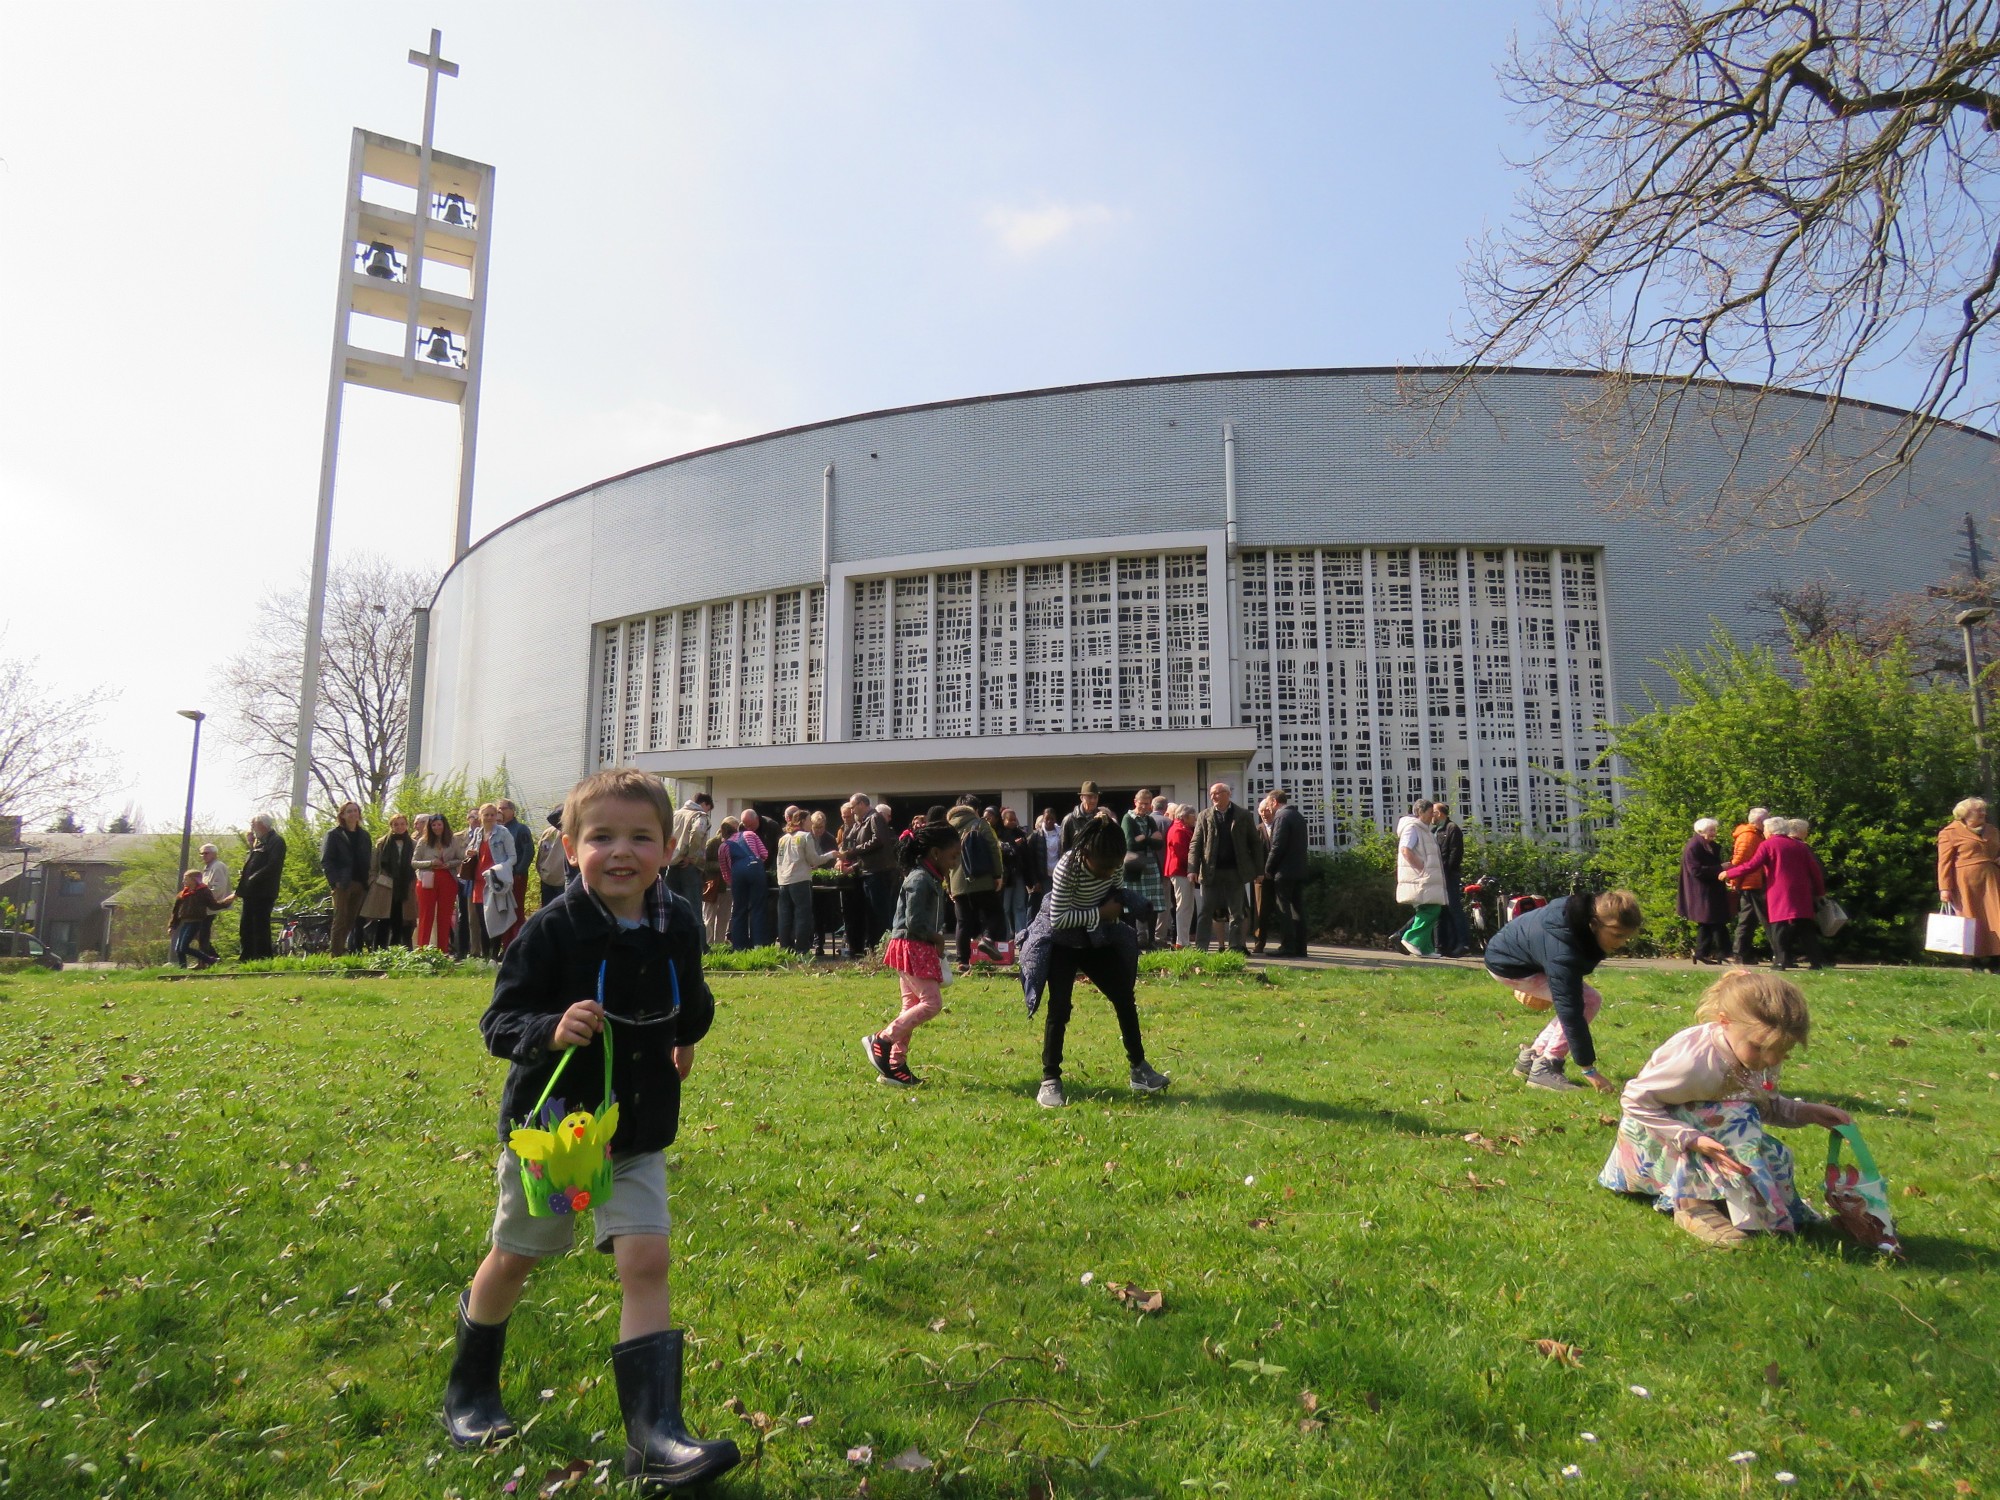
<point>619,784</point>
<point>1764,1007</point>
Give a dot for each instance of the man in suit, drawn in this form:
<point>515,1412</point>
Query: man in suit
<point>257,887</point>
<point>1285,872</point>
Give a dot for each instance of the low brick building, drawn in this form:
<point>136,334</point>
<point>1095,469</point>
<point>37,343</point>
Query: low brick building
<point>61,881</point>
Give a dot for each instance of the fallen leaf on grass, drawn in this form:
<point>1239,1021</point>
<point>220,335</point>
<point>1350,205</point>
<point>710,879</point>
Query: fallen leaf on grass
<point>1309,1425</point>
<point>936,1325</point>
<point>909,1461</point>
<point>135,1079</point>
<point>557,1480</point>
<point>1914,1191</point>
<point>761,1420</point>
<point>1607,1119</point>
<point>1257,1367</point>
<point>1309,1401</point>
<point>1133,1297</point>
<point>1899,1041</point>
<point>1260,1223</point>
<point>1372,1401</point>
<point>735,1407</point>
<point>1773,1376</point>
<point>1561,1353</point>
<point>862,1455</point>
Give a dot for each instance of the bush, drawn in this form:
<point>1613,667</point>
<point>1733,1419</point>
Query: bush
<point>1846,737</point>
<point>1350,894</point>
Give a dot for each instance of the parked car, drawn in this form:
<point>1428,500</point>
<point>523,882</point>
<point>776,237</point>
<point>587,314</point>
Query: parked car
<point>27,945</point>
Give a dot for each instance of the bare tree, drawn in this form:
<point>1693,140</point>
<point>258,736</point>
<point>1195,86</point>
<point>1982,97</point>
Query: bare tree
<point>49,756</point>
<point>1821,610</point>
<point>1782,195</point>
<point>362,721</point>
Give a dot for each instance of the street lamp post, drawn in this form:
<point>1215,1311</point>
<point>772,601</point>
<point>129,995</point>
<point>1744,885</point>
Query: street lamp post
<point>1966,620</point>
<point>187,818</point>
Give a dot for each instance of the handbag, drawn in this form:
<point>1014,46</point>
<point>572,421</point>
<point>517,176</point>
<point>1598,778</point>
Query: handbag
<point>1947,932</point>
<point>468,867</point>
<point>1830,915</point>
<point>1857,1195</point>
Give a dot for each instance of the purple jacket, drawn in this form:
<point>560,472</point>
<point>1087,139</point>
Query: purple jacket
<point>1703,898</point>
<point>1797,879</point>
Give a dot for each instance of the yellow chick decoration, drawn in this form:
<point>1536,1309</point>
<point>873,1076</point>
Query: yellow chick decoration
<point>571,1163</point>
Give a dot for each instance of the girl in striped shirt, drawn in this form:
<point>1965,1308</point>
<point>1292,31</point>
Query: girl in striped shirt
<point>1083,910</point>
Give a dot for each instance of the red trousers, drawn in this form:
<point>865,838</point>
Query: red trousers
<point>437,908</point>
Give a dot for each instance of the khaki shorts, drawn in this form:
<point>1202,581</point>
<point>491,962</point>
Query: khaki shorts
<point>638,1206</point>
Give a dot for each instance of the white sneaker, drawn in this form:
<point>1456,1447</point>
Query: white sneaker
<point>1050,1094</point>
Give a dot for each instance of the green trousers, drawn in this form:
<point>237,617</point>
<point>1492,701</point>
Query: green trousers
<point>1421,934</point>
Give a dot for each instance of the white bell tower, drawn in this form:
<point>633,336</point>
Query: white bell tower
<point>422,267</point>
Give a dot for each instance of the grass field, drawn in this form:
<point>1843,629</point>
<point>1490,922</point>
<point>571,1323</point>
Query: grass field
<point>237,1214</point>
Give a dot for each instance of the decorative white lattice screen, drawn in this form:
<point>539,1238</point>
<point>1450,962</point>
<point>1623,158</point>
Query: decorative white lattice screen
<point>1378,675</point>
<point>1096,643</point>
<point>733,672</point>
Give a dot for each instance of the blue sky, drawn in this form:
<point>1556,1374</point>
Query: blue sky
<point>709,222</point>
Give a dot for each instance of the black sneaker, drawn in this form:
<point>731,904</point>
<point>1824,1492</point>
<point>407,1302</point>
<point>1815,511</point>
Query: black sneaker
<point>900,1075</point>
<point>1146,1081</point>
<point>878,1052</point>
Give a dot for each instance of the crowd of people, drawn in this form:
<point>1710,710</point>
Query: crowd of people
<point>1218,874</point>
<point>427,885</point>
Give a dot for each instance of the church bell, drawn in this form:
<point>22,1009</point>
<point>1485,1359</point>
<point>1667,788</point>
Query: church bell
<point>381,262</point>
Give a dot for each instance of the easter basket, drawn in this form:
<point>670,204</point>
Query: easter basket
<point>565,1156</point>
<point>1857,1195</point>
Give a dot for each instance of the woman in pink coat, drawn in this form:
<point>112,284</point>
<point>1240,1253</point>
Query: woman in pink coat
<point>1797,880</point>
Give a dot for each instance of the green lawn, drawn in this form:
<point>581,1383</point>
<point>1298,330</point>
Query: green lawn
<point>237,1214</point>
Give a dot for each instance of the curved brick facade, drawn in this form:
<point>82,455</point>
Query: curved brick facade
<point>1011,592</point>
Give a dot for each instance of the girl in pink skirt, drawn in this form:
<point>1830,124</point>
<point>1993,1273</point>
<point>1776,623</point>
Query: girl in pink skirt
<point>916,946</point>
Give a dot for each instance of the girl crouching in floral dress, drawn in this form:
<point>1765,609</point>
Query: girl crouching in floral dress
<point>916,946</point>
<point>1692,1135</point>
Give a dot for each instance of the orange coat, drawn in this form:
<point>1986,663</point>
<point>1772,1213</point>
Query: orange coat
<point>1747,838</point>
<point>1969,877</point>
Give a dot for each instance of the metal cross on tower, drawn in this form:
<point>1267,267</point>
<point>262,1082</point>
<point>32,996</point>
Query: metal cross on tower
<point>420,270</point>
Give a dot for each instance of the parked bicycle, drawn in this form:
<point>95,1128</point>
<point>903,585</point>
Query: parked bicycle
<point>307,929</point>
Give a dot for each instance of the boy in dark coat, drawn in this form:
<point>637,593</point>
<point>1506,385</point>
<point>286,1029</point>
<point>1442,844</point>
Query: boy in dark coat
<point>618,945</point>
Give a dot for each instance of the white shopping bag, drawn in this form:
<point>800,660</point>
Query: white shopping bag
<point>1947,932</point>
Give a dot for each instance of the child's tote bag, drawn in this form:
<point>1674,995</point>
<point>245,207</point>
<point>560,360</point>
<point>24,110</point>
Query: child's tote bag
<point>566,1158</point>
<point>1947,932</point>
<point>1857,1195</point>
